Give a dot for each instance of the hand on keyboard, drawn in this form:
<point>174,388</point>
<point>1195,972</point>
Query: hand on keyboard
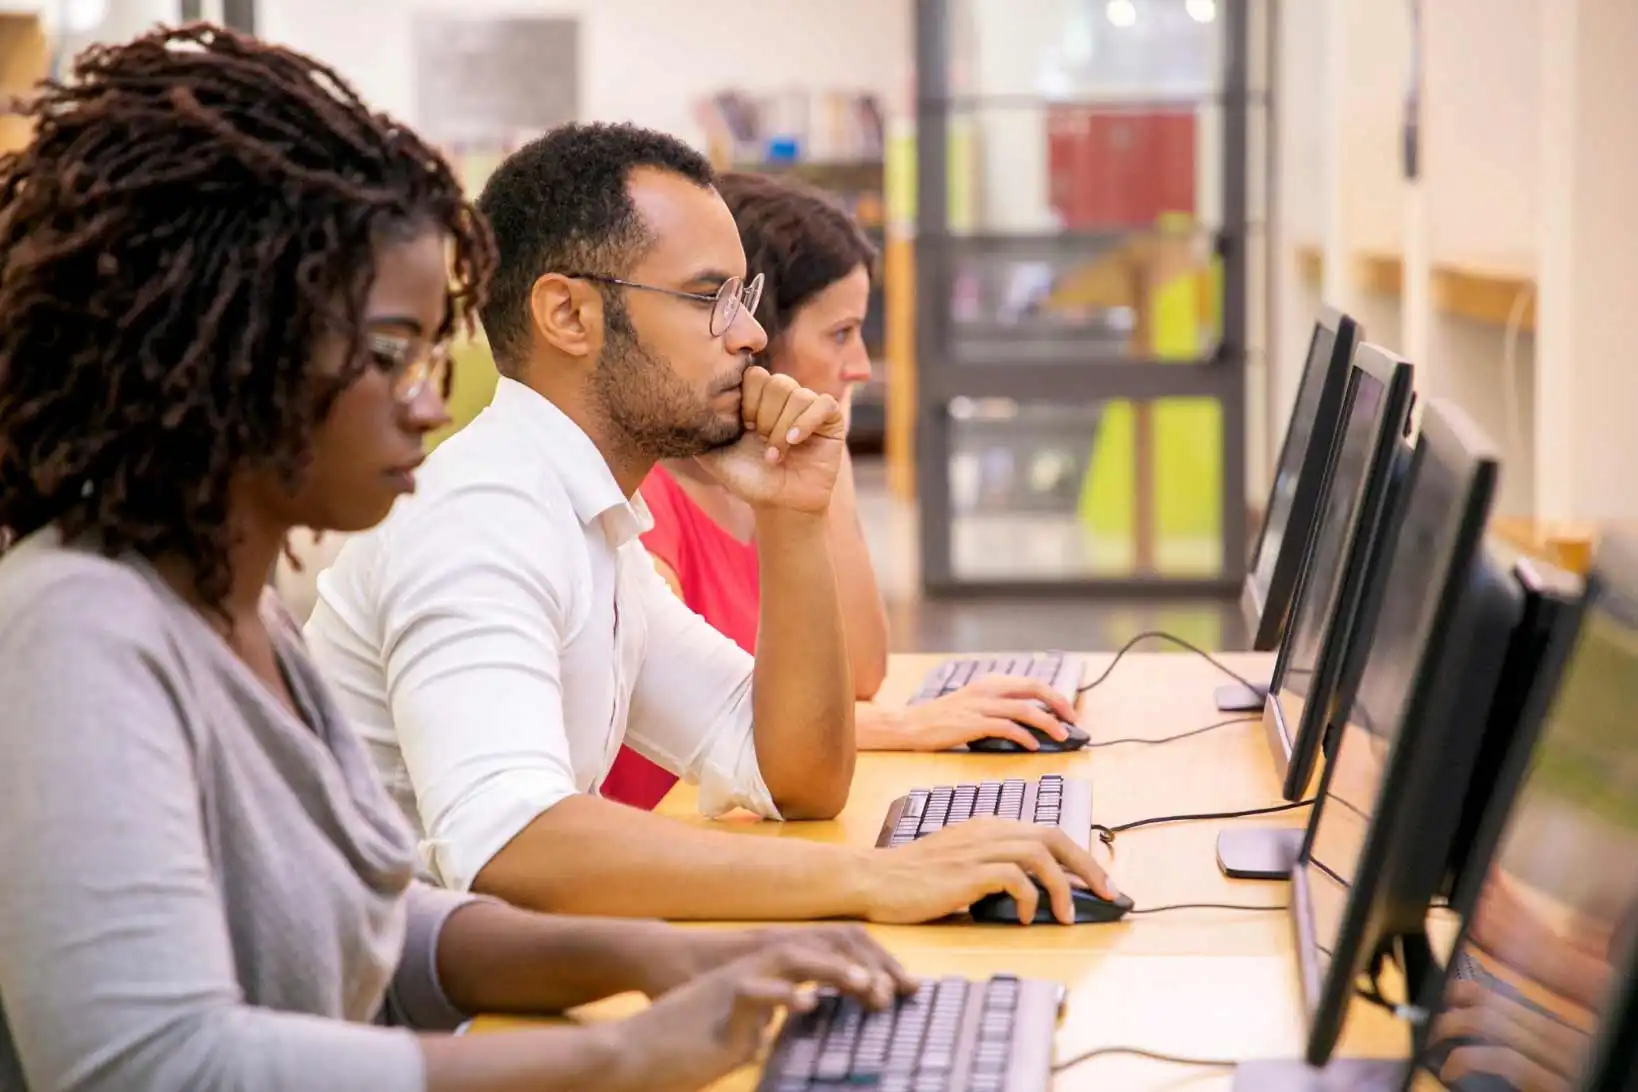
<point>1485,1032</point>
<point>989,707</point>
<point>718,1022</point>
<point>946,872</point>
<point>675,957</point>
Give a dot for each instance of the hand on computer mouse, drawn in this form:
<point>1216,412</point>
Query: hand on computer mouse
<point>945,873</point>
<point>992,707</point>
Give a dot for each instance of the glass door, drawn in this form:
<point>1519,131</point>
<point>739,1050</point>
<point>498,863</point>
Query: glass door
<point>1082,232</point>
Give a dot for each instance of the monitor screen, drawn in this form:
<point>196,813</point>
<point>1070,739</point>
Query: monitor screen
<point>1432,518</point>
<point>1321,581</point>
<point>1292,455</point>
<point>1531,979</point>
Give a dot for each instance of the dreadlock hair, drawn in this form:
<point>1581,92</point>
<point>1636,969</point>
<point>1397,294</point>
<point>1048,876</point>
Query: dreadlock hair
<point>798,237</point>
<point>195,209</point>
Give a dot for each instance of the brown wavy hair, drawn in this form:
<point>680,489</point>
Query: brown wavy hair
<point>196,207</point>
<point>798,237</point>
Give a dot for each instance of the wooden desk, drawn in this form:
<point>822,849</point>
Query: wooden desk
<point>1229,1007</point>
<point>1147,696</point>
<point>1193,983</point>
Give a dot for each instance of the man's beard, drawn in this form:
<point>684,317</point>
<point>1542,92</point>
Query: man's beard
<point>656,413</point>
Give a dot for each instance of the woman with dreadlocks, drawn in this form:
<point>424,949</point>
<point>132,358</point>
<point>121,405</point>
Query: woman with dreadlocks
<point>225,287</point>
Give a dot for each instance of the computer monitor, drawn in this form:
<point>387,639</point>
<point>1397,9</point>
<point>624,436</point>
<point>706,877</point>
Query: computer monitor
<point>1378,843</point>
<point>1548,617</point>
<point>1539,991</point>
<point>1303,689</point>
<point>1358,491</point>
<point>1299,476</point>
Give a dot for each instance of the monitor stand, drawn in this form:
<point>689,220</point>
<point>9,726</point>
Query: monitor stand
<point>1234,698</point>
<point>1340,1075</point>
<point>1259,853</point>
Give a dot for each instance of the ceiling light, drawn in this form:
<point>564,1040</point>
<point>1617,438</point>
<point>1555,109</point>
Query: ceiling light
<point>1122,13</point>
<point>1201,11</point>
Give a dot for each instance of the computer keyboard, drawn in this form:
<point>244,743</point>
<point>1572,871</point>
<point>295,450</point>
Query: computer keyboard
<point>951,1035</point>
<point>1062,672</point>
<point>1049,800</point>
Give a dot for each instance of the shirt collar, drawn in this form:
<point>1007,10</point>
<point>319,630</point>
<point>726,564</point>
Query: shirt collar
<point>576,462</point>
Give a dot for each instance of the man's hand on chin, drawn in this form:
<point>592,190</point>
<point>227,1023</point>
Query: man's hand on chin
<point>791,450</point>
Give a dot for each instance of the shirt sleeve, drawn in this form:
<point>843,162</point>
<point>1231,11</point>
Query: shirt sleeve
<point>472,604</point>
<point>115,961</point>
<point>691,708</point>
<point>416,998</point>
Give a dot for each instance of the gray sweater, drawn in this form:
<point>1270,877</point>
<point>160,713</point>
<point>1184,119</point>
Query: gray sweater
<point>197,890</point>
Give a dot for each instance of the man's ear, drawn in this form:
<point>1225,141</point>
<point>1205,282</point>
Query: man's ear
<point>567,314</point>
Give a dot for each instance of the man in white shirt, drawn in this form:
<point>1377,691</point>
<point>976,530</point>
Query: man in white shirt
<point>501,634</point>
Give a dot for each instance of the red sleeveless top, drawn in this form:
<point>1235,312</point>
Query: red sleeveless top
<point>719,579</point>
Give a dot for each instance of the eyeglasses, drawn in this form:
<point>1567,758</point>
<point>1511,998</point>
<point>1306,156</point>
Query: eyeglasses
<point>734,293</point>
<point>412,363</point>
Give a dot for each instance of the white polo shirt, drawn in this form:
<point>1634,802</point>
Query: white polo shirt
<point>503,631</point>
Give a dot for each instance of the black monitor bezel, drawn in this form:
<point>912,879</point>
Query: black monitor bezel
<point>1296,754</point>
<point>1560,647</point>
<point>1553,600</point>
<point>1266,610</point>
<point>1406,783</point>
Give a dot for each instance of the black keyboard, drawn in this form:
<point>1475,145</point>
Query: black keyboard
<point>1062,672</point>
<point>1049,800</point>
<point>953,1034</point>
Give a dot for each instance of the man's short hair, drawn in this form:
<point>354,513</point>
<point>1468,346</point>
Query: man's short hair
<point>561,204</point>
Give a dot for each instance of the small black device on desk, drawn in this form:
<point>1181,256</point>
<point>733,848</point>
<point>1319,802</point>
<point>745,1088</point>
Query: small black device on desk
<point>1000,908</point>
<point>951,1035</point>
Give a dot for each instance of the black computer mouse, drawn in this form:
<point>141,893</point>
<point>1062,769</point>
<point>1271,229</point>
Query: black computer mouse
<point>1074,741</point>
<point>1090,908</point>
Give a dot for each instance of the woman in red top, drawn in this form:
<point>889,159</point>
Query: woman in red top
<point>818,265</point>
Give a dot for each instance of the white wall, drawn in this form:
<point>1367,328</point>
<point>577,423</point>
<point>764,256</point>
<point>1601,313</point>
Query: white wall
<point>1586,384</point>
<point>647,61</point>
<point>1530,168</point>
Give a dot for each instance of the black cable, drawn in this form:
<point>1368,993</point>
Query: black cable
<point>1107,834</point>
<point>1180,735</point>
<point>1190,646</point>
<point>1204,906</point>
<point>1152,1055</point>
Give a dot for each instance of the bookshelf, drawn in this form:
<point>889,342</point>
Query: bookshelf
<point>832,140</point>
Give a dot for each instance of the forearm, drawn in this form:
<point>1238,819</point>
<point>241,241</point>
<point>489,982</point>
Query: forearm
<point>864,616</point>
<point>879,728</point>
<point>802,690</point>
<point>587,855</point>
<point>497,958</point>
<point>536,1060</point>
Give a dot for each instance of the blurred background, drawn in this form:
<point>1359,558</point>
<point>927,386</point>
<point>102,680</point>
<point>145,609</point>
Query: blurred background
<point>1106,228</point>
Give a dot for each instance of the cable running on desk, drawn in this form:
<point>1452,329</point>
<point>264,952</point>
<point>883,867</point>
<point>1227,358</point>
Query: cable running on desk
<point>1190,646</point>
<point>1205,906</point>
<point>1181,735</point>
<point>1139,1052</point>
<point>1107,834</point>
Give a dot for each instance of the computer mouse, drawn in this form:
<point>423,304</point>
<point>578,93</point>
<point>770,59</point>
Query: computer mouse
<point>1074,741</point>
<point>1090,908</point>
